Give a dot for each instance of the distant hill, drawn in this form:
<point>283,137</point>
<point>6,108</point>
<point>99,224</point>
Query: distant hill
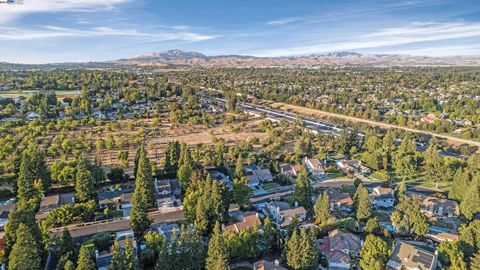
<point>194,59</point>
<point>182,59</point>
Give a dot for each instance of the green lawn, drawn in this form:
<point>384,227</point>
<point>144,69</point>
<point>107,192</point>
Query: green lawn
<point>376,176</point>
<point>271,185</point>
<point>335,174</point>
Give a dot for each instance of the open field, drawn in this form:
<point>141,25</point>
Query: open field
<point>156,138</point>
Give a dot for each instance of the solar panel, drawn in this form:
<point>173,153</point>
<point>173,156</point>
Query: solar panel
<point>423,258</point>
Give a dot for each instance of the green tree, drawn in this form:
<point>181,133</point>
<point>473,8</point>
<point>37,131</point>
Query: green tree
<point>372,226</point>
<point>269,236</point>
<point>27,195</point>
<point>27,217</point>
<point>217,257</point>
<point>460,184</point>
<point>84,181</point>
<point>362,203</point>
<point>470,205</point>
<point>451,255</point>
<point>434,163</point>
<point>301,251</point>
<point>374,254</point>
<point>139,220</point>
<point>118,257</point>
<point>130,258</point>
<point>475,261</point>
<point>239,168</point>
<point>302,191</point>
<point>144,184</point>
<point>408,217</point>
<point>185,165</point>
<point>85,260</point>
<point>25,254</point>
<point>66,247</point>
<point>322,212</point>
<point>242,192</point>
<point>69,265</point>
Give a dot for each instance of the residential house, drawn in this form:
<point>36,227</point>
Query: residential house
<point>49,203</point>
<point>340,200</point>
<point>411,255</point>
<point>5,210</point>
<point>165,194</point>
<point>382,197</point>
<point>219,176</point>
<point>248,220</point>
<point>339,247</point>
<point>103,258</point>
<point>256,176</point>
<point>441,236</point>
<point>31,116</point>
<point>110,198</point>
<point>429,118</point>
<point>126,201</point>
<point>267,265</point>
<point>289,170</point>
<point>315,167</point>
<point>353,167</point>
<point>283,214</point>
<point>167,229</point>
<point>440,208</point>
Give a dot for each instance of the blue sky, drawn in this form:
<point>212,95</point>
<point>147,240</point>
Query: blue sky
<point>40,31</point>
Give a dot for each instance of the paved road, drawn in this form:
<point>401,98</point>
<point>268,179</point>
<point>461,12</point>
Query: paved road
<point>327,128</point>
<point>284,106</point>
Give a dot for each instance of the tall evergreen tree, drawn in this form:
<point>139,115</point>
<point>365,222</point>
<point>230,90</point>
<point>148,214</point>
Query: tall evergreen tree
<point>118,257</point>
<point>85,260</point>
<point>84,181</point>
<point>242,192</point>
<point>217,257</point>
<point>130,258</point>
<point>301,251</point>
<point>25,253</point>
<point>24,216</point>
<point>185,168</point>
<point>374,254</point>
<point>239,168</point>
<point>460,184</point>
<point>362,203</point>
<point>144,184</point>
<point>322,213</point>
<point>138,152</point>
<point>27,195</point>
<point>139,220</point>
<point>302,192</point>
<point>470,205</point>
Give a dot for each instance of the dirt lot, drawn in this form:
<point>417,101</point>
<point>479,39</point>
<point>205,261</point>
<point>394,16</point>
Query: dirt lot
<point>157,137</point>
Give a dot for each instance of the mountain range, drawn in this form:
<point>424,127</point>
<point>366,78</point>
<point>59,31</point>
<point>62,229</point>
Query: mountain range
<point>177,58</point>
<point>183,59</point>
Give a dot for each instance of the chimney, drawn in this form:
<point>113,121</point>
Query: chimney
<point>296,204</point>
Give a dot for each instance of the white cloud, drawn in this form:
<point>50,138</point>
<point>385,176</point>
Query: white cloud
<point>287,20</point>
<point>49,32</point>
<point>10,12</point>
<point>413,33</point>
